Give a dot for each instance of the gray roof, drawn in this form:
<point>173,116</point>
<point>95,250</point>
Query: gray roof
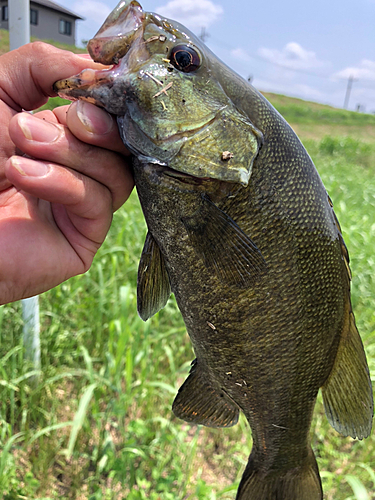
<point>55,6</point>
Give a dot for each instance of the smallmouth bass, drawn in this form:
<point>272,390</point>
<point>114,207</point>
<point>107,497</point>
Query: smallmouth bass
<point>242,231</point>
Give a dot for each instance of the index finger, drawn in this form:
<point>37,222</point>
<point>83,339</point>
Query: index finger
<point>28,73</point>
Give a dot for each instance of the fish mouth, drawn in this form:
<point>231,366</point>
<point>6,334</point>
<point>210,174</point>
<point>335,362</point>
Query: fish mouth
<point>85,81</point>
<point>115,37</point>
<point>121,31</point>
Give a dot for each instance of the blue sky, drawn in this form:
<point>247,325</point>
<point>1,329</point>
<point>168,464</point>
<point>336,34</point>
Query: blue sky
<point>301,48</point>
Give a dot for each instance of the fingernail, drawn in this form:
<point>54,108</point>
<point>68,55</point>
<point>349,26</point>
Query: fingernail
<point>95,120</point>
<point>29,168</point>
<point>35,129</point>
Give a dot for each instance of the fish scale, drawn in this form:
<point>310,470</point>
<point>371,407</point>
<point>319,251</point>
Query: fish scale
<point>242,231</point>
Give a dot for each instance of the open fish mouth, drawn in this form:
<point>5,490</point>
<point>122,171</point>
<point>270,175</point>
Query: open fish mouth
<point>115,37</point>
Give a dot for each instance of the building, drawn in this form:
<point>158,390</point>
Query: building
<point>48,21</point>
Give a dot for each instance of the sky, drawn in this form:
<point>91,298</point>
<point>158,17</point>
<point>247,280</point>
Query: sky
<point>306,49</point>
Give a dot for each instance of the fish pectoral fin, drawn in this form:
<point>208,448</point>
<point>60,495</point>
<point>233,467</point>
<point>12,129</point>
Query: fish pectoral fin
<point>225,249</point>
<point>199,402</point>
<point>347,393</point>
<point>153,286</point>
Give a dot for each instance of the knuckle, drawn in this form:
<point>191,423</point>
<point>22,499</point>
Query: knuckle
<point>39,46</point>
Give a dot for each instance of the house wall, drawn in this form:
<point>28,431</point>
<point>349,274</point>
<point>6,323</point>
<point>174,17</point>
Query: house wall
<point>48,24</point>
<point>3,24</point>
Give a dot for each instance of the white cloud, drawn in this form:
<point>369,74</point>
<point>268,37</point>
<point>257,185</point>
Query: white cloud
<point>240,54</point>
<point>293,56</point>
<point>92,10</point>
<point>192,13</point>
<point>295,89</point>
<point>365,70</point>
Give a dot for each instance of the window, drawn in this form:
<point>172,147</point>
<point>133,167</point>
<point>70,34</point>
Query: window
<point>4,13</point>
<point>65,27</point>
<point>33,16</point>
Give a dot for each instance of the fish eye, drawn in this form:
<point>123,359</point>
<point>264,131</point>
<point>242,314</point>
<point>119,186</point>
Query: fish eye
<point>185,58</point>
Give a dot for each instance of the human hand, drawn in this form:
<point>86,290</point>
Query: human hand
<point>56,204</point>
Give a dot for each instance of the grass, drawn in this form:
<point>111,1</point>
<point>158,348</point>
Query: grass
<point>98,425</point>
<point>314,121</point>
<point>4,44</point>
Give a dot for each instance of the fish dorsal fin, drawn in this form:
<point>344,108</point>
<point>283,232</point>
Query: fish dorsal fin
<point>199,402</point>
<point>347,393</point>
<point>344,250</point>
<point>226,250</point>
<point>153,287</point>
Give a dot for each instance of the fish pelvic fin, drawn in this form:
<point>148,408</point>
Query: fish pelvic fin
<point>153,287</point>
<point>199,402</point>
<point>299,483</point>
<point>347,393</point>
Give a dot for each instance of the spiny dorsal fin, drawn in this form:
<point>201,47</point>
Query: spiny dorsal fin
<point>344,250</point>
<point>153,287</point>
<point>347,393</point>
<point>226,250</point>
<point>199,402</point>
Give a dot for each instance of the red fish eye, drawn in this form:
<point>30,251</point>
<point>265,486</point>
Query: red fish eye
<point>185,58</point>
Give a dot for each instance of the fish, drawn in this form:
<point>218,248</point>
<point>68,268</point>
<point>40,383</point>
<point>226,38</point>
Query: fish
<point>242,231</point>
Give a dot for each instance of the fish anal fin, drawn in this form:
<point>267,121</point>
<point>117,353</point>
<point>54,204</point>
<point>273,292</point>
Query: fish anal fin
<point>226,250</point>
<point>153,287</point>
<point>199,402</point>
<point>347,393</point>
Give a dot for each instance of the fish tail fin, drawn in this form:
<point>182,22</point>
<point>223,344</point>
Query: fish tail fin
<point>300,483</point>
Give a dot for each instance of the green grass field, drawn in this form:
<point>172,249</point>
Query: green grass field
<point>98,423</point>
<point>4,44</point>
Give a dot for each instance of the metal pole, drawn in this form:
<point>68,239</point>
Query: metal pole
<point>348,90</point>
<point>204,35</point>
<point>31,330</point>
<point>19,23</point>
<point>19,34</point>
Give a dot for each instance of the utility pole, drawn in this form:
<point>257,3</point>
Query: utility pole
<point>19,23</point>
<point>348,90</point>
<point>204,35</point>
<point>19,34</point>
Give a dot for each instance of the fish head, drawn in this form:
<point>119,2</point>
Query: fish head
<point>172,109</point>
